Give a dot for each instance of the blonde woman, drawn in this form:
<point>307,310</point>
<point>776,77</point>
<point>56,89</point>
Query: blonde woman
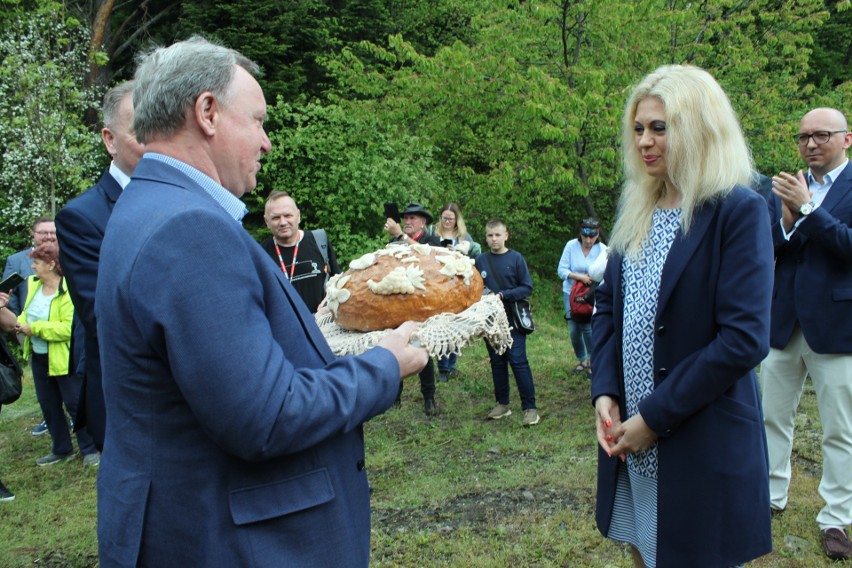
<point>451,227</point>
<point>682,320</point>
<point>453,234</point>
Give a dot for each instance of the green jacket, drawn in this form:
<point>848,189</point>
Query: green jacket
<point>56,330</point>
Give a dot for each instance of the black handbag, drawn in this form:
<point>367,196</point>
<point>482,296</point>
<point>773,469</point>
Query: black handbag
<point>519,311</point>
<point>10,375</point>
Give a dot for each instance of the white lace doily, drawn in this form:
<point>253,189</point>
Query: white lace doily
<point>441,335</point>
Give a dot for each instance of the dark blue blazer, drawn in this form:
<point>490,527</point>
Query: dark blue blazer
<point>80,227</point>
<point>813,273</point>
<point>233,434</point>
<point>711,330</point>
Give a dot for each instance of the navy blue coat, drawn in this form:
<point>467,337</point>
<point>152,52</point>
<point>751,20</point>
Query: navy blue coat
<point>711,330</point>
<point>80,227</point>
<point>813,273</point>
<point>233,433</point>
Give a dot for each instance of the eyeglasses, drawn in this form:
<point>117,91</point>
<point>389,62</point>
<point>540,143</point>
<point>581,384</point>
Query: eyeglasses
<point>46,233</point>
<point>587,232</point>
<point>448,219</point>
<point>820,137</point>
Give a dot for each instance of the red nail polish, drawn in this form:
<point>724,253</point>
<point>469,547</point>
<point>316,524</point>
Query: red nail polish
<point>608,423</point>
<point>609,438</point>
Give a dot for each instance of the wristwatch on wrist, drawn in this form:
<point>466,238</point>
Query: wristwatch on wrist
<point>807,208</point>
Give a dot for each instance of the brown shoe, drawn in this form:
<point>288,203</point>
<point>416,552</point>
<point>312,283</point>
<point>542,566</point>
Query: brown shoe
<point>836,544</point>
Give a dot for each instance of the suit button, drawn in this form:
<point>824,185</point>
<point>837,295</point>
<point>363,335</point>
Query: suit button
<point>360,465</point>
<point>661,330</point>
<point>663,373</point>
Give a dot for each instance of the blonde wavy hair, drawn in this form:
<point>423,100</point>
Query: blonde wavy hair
<point>706,152</point>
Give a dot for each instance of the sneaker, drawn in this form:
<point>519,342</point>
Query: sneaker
<point>52,458</point>
<point>5,494</point>
<point>442,377</point>
<point>453,374</point>
<point>92,460</point>
<point>531,417</point>
<point>40,429</point>
<point>499,411</point>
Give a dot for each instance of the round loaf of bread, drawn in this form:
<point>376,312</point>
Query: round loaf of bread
<point>399,283</point>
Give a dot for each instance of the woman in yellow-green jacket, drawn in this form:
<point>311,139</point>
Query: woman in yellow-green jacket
<point>45,322</point>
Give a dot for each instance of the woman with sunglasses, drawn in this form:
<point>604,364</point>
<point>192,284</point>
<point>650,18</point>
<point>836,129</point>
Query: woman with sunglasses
<point>577,257</point>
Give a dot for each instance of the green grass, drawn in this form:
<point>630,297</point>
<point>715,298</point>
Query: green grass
<point>455,490</point>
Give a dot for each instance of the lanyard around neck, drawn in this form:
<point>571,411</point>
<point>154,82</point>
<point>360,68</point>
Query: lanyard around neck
<point>293,262</point>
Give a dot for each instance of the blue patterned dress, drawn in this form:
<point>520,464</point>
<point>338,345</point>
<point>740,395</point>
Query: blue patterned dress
<point>634,515</point>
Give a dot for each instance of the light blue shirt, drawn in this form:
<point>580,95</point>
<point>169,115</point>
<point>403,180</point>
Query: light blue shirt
<point>229,202</point>
<point>39,310</point>
<point>573,260</point>
<point>820,190</point>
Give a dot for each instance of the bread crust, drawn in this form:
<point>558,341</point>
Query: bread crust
<point>368,310</point>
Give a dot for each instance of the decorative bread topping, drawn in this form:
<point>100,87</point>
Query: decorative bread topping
<point>400,280</point>
<point>398,283</point>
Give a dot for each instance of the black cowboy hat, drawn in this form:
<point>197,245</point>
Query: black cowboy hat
<point>417,209</point>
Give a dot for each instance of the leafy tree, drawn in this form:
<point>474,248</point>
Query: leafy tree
<point>525,118</point>
<point>832,57</point>
<point>48,154</point>
<point>341,168</point>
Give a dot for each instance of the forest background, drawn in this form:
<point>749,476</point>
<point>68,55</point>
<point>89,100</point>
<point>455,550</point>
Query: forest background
<point>507,107</point>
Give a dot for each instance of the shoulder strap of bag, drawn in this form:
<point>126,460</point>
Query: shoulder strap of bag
<point>321,237</point>
<point>322,242</point>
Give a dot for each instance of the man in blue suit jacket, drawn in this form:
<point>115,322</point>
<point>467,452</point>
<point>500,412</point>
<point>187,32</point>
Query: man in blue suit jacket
<point>811,330</point>
<point>81,225</point>
<point>233,433</point>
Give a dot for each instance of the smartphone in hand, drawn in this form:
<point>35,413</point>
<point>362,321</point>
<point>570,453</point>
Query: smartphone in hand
<point>392,212</point>
<point>11,282</point>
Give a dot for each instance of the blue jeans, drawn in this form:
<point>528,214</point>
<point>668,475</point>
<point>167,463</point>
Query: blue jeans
<point>447,364</point>
<point>51,392</point>
<point>581,339</point>
<point>580,333</point>
<point>516,356</point>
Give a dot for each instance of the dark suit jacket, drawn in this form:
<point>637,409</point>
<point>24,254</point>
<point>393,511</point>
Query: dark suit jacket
<point>21,263</point>
<point>813,273</point>
<point>233,433</point>
<point>711,330</point>
<point>80,227</point>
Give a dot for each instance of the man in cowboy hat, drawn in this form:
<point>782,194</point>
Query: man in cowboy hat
<point>415,219</point>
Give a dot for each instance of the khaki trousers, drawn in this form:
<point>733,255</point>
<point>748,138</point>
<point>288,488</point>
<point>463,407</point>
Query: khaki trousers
<point>782,376</point>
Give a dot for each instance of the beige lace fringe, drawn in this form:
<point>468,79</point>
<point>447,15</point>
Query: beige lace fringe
<point>442,334</point>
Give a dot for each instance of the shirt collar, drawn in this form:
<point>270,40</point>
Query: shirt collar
<point>229,202</point>
<point>122,178</point>
<point>828,179</point>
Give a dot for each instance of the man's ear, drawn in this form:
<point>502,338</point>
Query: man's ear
<point>207,112</point>
<point>108,137</point>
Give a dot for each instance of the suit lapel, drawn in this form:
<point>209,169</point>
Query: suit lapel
<point>112,189</point>
<point>840,189</point>
<point>683,248</point>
